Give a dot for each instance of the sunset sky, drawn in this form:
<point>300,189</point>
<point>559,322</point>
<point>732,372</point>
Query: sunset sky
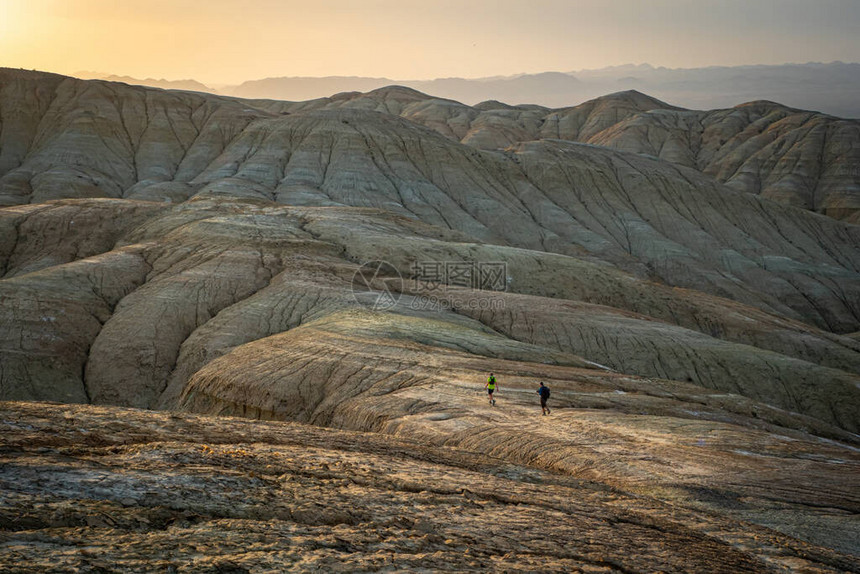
<point>220,41</point>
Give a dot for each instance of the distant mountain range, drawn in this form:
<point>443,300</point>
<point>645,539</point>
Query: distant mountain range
<point>832,88</point>
<point>188,85</point>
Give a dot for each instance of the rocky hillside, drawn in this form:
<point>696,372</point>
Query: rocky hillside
<point>205,206</point>
<point>194,253</point>
<point>804,159</point>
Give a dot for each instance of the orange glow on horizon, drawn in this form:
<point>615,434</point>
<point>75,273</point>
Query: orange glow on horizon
<point>221,41</point>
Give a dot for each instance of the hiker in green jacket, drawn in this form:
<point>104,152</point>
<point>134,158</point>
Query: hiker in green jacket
<point>491,387</point>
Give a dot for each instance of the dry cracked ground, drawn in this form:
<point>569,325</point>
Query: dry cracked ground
<point>201,375</point>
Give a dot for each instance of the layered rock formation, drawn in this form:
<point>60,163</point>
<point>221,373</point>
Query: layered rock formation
<point>188,252</point>
<point>111,140</point>
<point>198,279</point>
<point>805,159</point>
<point>598,227</point>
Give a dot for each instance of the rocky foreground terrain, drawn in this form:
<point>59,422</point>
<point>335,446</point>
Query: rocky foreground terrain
<point>99,489</point>
<point>201,256</point>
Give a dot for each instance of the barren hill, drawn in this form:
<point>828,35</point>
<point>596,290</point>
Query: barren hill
<point>804,159</point>
<point>800,158</point>
<point>196,253</point>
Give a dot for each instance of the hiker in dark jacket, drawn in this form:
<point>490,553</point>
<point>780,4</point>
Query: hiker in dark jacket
<point>543,391</point>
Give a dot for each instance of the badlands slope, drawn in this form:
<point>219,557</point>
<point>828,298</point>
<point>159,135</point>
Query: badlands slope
<point>800,158</point>
<point>198,254</point>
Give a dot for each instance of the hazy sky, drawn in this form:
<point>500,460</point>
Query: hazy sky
<point>221,41</point>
